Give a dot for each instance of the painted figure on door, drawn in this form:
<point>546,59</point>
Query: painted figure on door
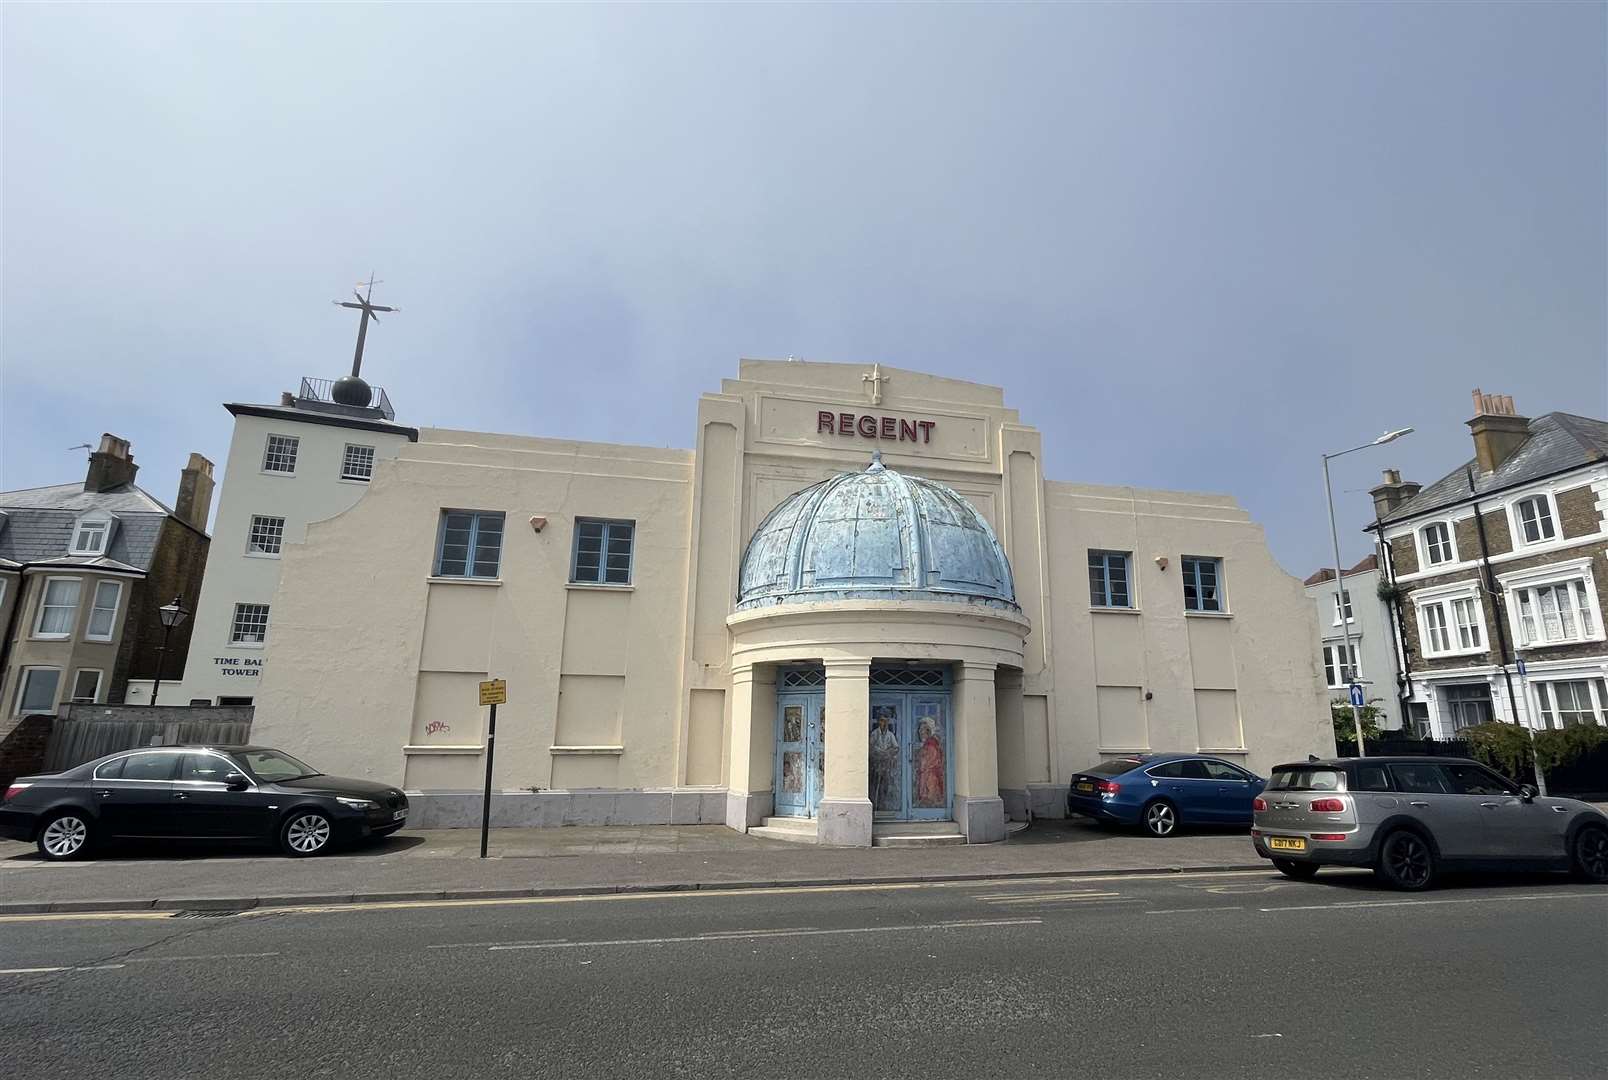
<point>885,793</point>
<point>792,771</point>
<point>929,762</point>
<point>793,723</point>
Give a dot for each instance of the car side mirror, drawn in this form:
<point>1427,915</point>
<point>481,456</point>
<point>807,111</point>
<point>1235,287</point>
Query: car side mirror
<point>236,781</point>
<point>1527,793</point>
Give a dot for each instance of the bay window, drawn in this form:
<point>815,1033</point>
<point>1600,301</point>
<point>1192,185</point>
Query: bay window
<point>1554,605</point>
<point>1571,702</point>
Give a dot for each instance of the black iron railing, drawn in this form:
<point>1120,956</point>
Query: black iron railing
<point>320,390</point>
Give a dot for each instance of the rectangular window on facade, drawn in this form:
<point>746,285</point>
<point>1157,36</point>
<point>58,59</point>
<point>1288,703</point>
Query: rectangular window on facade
<point>1438,544</point>
<point>1351,616</point>
<point>469,544</point>
<point>1452,626</point>
<point>1535,519</point>
<point>357,463</point>
<point>1572,702</point>
<point>602,552</point>
<point>250,624</point>
<point>279,456</point>
<point>89,538</point>
<point>1556,613</point>
<point>36,691</point>
<point>86,685</point>
<point>1468,706</point>
<point>1339,666</point>
<point>1203,583</point>
<point>1108,579</point>
<point>58,608</point>
<point>103,611</point>
<point>265,536</point>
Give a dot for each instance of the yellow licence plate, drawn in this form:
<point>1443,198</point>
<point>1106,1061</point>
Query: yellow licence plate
<point>1085,787</point>
<point>1286,843</point>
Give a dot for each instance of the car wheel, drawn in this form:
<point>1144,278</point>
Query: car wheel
<point>1406,861</point>
<point>65,836</point>
<point>1591,855</point>
<point>305,832</point>
<point>1296,871</point>
<point>1160,818</point>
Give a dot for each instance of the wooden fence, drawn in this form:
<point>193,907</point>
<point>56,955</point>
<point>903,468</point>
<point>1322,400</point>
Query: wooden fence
<point>75,739</point>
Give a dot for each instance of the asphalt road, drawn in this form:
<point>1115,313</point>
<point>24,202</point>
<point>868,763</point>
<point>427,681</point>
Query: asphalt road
<point>1221,975</point>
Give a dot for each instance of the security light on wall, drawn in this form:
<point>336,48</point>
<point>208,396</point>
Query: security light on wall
<point>1161,562</point>
<point>538,523</point>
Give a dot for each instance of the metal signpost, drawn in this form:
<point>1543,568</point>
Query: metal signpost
<point>1357,700</point>
<point>493,692</point>
<point>1529,709</point>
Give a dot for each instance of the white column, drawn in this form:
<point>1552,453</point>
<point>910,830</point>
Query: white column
<point>979,810</point>
<point>844,816</point>
<point>749,799</point>
<point>1012,742</point>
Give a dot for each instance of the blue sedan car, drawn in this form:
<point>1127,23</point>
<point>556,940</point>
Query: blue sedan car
<point>1160,792</point>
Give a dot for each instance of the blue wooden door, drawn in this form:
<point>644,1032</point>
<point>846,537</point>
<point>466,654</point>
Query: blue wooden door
<point>800,753</point>
<point>911,773</point>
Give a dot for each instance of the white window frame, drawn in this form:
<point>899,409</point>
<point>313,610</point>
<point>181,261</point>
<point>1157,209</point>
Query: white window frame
<point>1422,533</point>
<point>1516,520</point>
<point>234,627</point>
<point>1337,649</point>
<point>1441,600</point>
<point>346,460</point>
<point>94,695</point>
<point>251,530</point>
<point>295,454</point>
<point>94,606</point>
<point>1564,573</point>
<point>39,614</point>
<point>1350,605</point>
<point>22,689</point>
<point>1547,714</point>
<point>106,521</point>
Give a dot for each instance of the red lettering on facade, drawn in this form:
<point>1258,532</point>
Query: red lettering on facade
<point>823,422</point>
<point>907,430</point>
<point>926,427</point>
<point>846,423</point>
<point>868,427</point>
<point>887,427</point>
<point>875,427</point>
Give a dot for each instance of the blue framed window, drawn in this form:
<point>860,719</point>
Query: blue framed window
<point>1203,583</point>
<point>603,551</point>
<point>469,544</point>
<point>1108,579</point>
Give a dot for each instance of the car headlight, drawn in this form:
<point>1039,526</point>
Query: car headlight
<point>358,804</point>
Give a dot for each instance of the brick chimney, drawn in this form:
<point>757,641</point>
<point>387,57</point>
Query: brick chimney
<point>1497,428</point>
<point>1393,492</point>
<point>111,466</point>
<point>195,492</point>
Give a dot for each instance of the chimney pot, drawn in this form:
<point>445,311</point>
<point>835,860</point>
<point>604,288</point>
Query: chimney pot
<point>1498,430</point>
<point>111,466</point>
<point>1393,492</point>
<point>195,493</point>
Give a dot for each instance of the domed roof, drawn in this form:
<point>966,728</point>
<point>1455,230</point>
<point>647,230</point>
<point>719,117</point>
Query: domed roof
<point>876,534</point>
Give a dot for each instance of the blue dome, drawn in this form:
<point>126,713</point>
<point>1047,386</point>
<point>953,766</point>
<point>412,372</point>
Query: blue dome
<point>877,535</point>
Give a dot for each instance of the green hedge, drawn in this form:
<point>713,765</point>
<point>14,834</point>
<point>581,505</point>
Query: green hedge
<point>1506,747</point>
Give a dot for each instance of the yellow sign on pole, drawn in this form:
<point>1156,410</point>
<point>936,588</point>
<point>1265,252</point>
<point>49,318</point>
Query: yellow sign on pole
<point>494,692</point>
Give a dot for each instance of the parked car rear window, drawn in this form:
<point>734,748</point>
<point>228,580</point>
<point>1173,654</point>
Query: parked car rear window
<point>1306,779</point>
<point>1180,770</point>
<point>1371,778</point>
<point>1420,778</point>
<point>1112,768</point>
<point>110,770</point>
<point>150,766</point>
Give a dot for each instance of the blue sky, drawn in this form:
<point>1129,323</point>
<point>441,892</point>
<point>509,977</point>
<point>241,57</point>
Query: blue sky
<point>1197,244</point>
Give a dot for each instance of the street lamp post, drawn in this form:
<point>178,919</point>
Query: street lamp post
<point>1349,660</point>
<point>171,614</point>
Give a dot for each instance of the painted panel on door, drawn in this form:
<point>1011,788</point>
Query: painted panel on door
<point>791,797</point>
<point>887,758</point>
<point>930,757</point>
<point>911,772</point>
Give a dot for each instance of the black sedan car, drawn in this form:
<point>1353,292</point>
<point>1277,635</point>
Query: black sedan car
<point>198,793</point>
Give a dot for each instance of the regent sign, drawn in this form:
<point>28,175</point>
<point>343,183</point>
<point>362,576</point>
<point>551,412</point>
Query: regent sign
<point>874,427</point>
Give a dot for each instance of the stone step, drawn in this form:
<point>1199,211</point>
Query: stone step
<point>918,840</point>
<point>794,829</point>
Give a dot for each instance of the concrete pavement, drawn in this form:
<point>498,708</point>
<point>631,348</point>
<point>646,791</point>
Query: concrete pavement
<point>442,863</point>
<point>1222,975</point>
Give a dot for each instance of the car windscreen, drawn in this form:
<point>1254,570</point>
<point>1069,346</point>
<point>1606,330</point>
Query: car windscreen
<point>1305,778</point>
<point>271,765</point>
<point>1112,768</point>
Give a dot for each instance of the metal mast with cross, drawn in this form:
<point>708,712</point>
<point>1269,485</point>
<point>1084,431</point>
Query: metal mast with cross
<point>352,390</point>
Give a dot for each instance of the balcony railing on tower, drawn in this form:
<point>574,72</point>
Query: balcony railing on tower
<point>319,391</point>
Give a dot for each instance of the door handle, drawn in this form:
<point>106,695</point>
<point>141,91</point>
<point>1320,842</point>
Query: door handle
<point>1560,809</point>
<point>181,795</point>
<point>105,793</point>
<point>1415,802</point>
<point>1491,805</point>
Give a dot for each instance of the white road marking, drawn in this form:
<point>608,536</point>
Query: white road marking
<point>1079,894</point>
<point>1427,903</point>
<point>214,956</point>
<point>744,935</point>
<point>1185,910</point>
<point>43,970</point>
<point>488,944</point>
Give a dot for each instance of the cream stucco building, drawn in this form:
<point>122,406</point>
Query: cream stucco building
<point>778,629</point>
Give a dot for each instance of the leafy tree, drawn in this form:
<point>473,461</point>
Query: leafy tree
<point>1345,729</point>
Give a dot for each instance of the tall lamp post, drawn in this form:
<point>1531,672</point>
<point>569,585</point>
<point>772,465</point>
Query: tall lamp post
<point>172,614</point>
<point>1349,660</point>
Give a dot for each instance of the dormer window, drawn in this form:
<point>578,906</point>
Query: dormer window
<point>92,535</point>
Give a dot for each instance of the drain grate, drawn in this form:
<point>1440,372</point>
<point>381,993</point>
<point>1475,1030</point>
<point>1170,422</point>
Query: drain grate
<point>219,914</point>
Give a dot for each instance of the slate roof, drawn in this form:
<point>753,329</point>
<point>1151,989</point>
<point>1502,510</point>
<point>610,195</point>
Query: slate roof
<point>38,525</point>
<point>1558,442</point>
<point>1327,573</point>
